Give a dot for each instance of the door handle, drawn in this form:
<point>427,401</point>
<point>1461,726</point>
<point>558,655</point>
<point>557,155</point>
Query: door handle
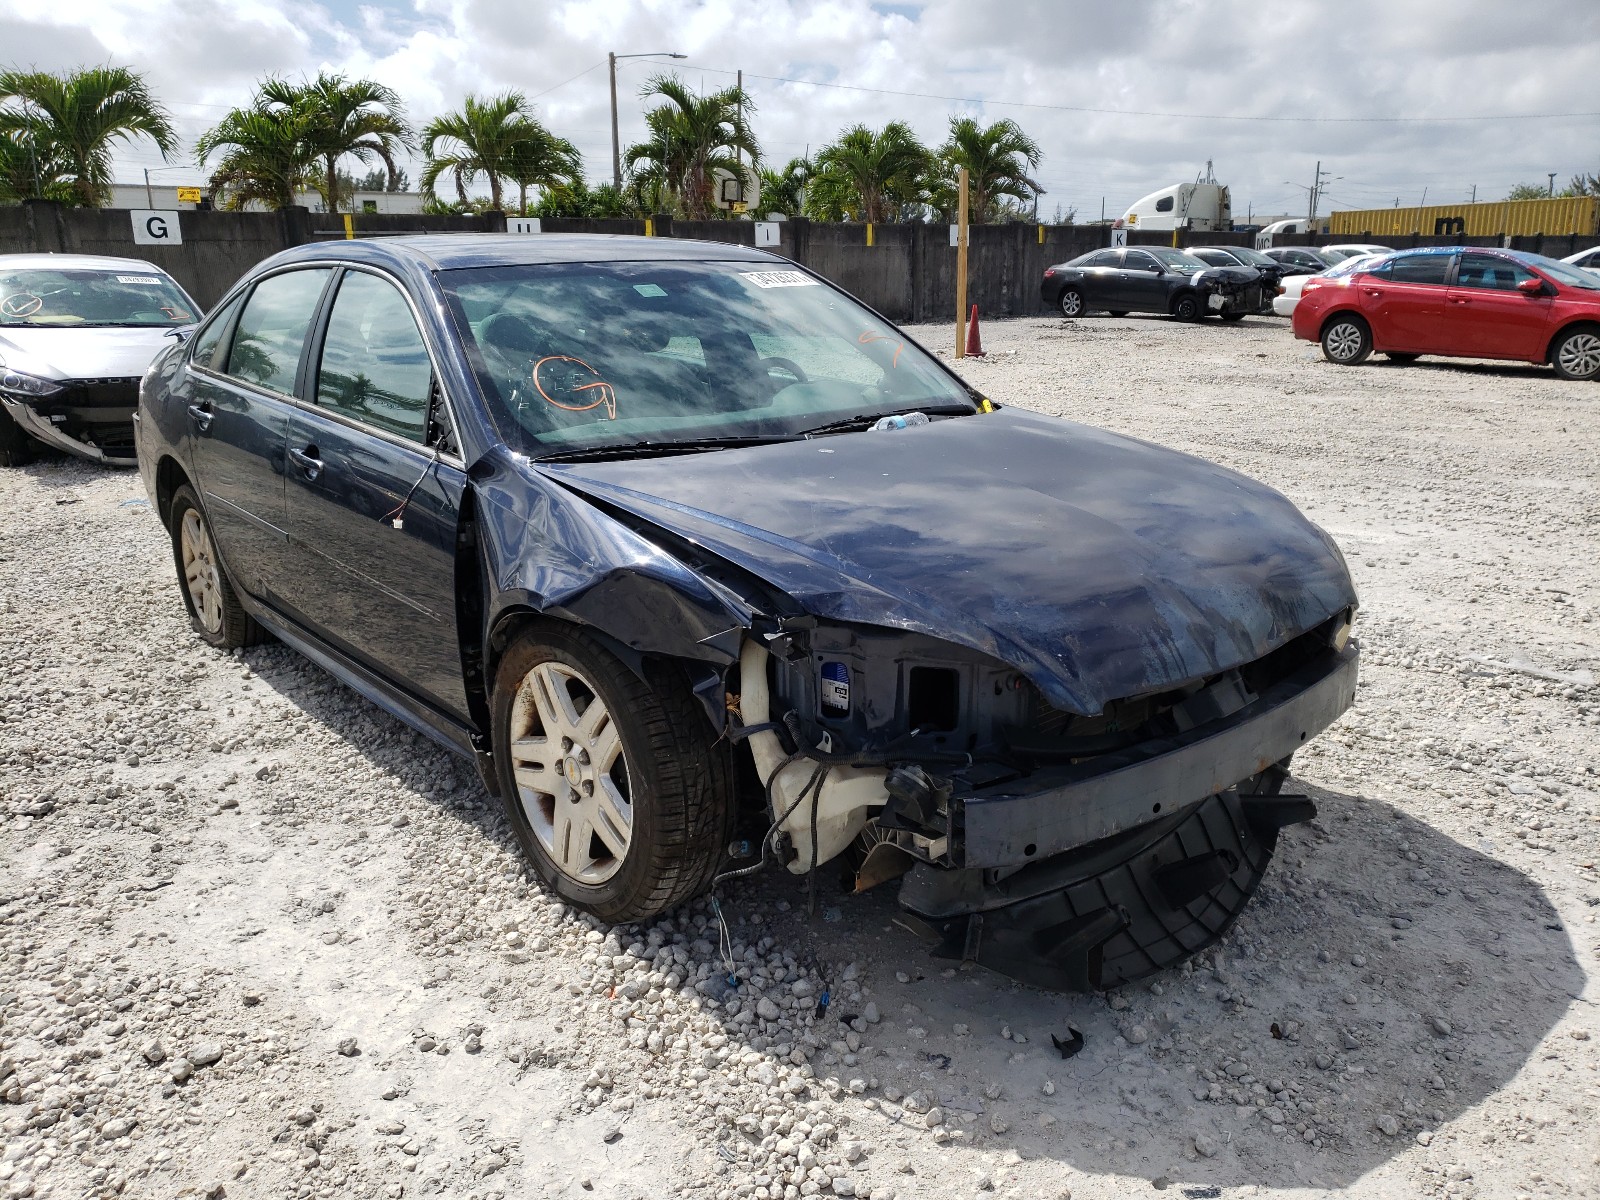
<point>307,461</point>
<point>1373,291</point>
<point>201,414</point>
<point>1460,299</point>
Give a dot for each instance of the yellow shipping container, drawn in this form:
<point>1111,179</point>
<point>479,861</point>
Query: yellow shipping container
<point>1517,218</point>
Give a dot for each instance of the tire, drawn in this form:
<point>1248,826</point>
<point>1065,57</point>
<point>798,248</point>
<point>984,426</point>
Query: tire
<point>1110,916</point>
<point>643,780</point>
<point>1238,316</point>
<point>219,618</point>
<point>1186,308</point>
<point>1346,341</point>
<point>1576,353</point>
<point>1119,313</point>
<point>15,448</point>
<point>1070,302</point>
<point>1401,360</point>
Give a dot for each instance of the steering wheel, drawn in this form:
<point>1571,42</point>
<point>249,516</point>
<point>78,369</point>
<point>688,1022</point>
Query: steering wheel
<point>21,304</point>
<point>787,364</point>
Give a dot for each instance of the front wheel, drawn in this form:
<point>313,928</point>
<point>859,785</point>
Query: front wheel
<point>1346,341</point>
<point>213,605</point>
<point>1071,303</point>
<point>1576,354</point>
<point>1186,308</point>
<point>14,448</point>
<point>611,782</point>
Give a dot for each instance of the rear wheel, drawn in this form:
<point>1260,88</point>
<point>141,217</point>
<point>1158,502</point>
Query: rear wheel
<point>15,450</point>
<point>1070,302</point>
<point>1346,341</point>
<point>611,782</point>
<point>1576,353</point>
<point>213,605</point>
<point>1186,308</point>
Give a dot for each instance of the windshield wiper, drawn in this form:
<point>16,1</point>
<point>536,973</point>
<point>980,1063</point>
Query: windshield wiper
<point>862,420</point>
<point>647,449</point>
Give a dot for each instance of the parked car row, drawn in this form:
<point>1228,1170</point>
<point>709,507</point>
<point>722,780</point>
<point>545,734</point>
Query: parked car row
<point>1155,279</point>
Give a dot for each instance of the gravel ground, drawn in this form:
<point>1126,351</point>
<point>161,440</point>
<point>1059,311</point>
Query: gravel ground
<point>259,939</point>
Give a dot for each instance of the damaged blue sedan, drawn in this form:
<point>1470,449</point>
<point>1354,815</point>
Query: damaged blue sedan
<point>708,567</point>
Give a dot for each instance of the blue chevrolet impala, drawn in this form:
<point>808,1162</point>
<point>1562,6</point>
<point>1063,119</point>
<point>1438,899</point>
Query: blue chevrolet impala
<point>708,567</point>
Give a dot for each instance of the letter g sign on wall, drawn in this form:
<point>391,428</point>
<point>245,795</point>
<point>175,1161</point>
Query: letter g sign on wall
<point>156,227</point>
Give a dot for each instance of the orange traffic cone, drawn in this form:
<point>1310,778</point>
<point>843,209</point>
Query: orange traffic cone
<point>974,342</point>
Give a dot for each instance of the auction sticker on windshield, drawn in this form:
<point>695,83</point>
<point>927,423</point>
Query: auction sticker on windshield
<point>777,279</point>
<point>147,279</point>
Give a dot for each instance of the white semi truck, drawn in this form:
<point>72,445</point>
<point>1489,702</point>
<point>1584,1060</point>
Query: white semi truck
<point>1203,206</point>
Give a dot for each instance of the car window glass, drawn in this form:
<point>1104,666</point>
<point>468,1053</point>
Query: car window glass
<point>210,338</point>
<point>1139,261</point>
<point>1487,271</point>
<point>375,365</point>
<point>272,329</point>
<point>1418,268</point>
<point>613,354</point>
<point>1104,258</point>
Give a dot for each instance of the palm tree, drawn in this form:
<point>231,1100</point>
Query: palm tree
<point>785,191</point>
<point>481,139</point>
<point>76,118</point>
<point>270,155</point>
<point>545,161</point>
<point>343,116</point>
<point>873,174</point>
<point>695,138</point>
<point>27,169</point>
<point>997,158</point>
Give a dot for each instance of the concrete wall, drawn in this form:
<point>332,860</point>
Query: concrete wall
<point>908,272</point>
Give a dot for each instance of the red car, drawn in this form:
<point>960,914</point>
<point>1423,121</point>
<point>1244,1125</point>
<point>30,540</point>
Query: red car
<point>1460,302</point>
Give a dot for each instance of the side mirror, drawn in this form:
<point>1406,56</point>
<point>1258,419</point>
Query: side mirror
<point>1531,287</point>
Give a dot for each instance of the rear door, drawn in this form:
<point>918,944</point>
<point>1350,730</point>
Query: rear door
<point>374,495</point>
<point>1489,318</point>
<point>1404,301</point>
<point>238,389</point>
<point>1099,281</point>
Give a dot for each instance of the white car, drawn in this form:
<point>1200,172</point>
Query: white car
<point>1344,250</point>
<point>1289,290</point>
<point>1589,260</point>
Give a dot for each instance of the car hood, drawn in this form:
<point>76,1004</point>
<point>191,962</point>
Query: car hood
<point>1225,278</point>
<point>68,353</point>
<point>1099,566</point>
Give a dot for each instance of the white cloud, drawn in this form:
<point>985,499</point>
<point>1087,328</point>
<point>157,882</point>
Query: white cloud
<point>1350,58</point>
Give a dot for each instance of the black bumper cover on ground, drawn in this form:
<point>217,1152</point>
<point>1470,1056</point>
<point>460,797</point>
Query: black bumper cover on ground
<point>1176,845</point>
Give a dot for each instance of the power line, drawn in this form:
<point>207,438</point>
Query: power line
<point>1183,116</point>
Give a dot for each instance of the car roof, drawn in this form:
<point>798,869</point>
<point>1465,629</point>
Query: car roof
<point>1520,256</point>
<point>457,251</point>
<point>69,262</point>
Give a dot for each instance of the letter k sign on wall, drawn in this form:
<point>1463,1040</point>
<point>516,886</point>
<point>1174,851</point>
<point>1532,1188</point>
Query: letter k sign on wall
<point>156,227</point>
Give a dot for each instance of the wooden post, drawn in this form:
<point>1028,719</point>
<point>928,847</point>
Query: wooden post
<point>961,265</point>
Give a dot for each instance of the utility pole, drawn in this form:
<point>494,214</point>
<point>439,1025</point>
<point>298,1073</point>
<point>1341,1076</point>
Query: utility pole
<point>1474,199</point>
<point>149,196</point>
<point>616,142</point>
<point>1552,183</point>
<point>738,154</point>
<point>961,264</point>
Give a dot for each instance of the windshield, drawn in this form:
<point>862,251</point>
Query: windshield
<point>76,297</point>
<point>1254,257</point>
<point>1349,266</point>
<point>1177,260</point>
<point>1564,272</point>
<point>576,356</point>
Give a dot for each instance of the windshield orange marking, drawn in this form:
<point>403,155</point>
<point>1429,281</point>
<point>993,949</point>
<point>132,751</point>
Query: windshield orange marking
<point>869,337</point>
<point>607,395</point>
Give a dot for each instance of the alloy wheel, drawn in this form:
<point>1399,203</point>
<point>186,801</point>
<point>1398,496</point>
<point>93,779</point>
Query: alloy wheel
<point>1579,355</point>
<point>571,773</point>
<point>1343,341</point>
<point>200,572</point>
<point>1071,303</point>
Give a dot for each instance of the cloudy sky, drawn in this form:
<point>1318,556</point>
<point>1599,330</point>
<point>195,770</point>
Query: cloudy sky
<point>1393,96</point>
